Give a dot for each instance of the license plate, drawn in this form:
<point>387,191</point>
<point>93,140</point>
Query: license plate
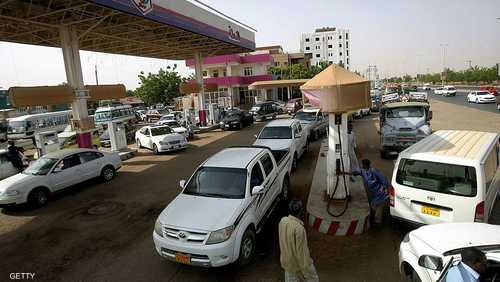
<point>431,211</point>
<point>182,258</point>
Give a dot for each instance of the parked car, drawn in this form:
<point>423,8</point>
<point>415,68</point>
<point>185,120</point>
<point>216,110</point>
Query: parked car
<point>285,134</point>
<point>450,176</point>
<point>155,115</point>
<point>439,91</point>
<point>279,105</point>
<point>293,105</point>
<point>264,110</point>
<point>492,89</point>
<point>175,126</point>
<point>55,171</point>
<point>215,219</point>
<point>236,119</point>
<point>314,122</point>
<point>481,97</point>
<point>428,253</point>
<point>160,138</point>
<point>449,90</point>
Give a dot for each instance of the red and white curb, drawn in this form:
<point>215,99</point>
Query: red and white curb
<point>339,228</point>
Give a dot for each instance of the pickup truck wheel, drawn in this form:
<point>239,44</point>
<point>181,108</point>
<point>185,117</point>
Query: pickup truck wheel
<point>294,163</point>
<point>413,277</point>
<point>285,188</point>
<point>316,135</point>
<point>247,247</point>
<point>107,173</point>
<point>38,197</point>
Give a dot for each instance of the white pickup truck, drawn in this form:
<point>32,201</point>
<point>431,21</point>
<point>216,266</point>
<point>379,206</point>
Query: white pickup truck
<point>215,219</point>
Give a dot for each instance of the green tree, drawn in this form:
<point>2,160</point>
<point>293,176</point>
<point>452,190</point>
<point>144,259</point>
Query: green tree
<point>162,87</point>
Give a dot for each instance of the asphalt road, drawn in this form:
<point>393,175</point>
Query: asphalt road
<point>461,99</point>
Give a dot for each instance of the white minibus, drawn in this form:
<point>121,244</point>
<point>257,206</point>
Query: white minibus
<point>25,127</point>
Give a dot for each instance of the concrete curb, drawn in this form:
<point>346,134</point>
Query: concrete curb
<point>339,228</point>
<point>125,155</point>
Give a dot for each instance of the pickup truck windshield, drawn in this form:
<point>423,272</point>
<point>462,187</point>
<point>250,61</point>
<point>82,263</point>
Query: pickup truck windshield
<point>437,177</point>
<point>218,182</point>
<point>405,112</point>
<point>276,132</point>
<point>156,131</point>
<point>305,116</point>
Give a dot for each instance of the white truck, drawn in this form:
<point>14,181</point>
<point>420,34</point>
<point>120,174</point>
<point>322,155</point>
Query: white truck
<point>215,219</point>
<point>314,121</point>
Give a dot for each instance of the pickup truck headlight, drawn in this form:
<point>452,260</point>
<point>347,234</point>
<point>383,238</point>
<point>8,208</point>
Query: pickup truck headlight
<point>158,228</point>
<point>163,143</point>
<point>220,235</point>
<point>11,193</point>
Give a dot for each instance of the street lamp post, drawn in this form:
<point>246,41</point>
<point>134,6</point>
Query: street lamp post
<point>444,63</point>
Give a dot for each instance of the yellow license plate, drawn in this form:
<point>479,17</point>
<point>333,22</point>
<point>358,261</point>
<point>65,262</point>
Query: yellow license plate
<point>183,258</point>
<point>431,211</point>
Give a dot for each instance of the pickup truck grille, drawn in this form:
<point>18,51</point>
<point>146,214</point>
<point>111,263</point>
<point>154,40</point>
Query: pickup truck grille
<point>187,236</point>
<point>175,142</point>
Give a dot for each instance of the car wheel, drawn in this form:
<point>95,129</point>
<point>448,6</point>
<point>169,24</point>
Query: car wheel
<point>294,163</point>
<point>138,144</point>
<point>247,247</point>
<point>285,188</point>
<point>107,173</point>
<point>383,154</point>
<point>155,149</point>
<point>413,277</point>
<point>38,197</point>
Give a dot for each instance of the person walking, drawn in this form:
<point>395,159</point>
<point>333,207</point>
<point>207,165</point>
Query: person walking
<point>14,156</point>
<point>295,258</point>
<point>471,267</point>
<point>377,186</point>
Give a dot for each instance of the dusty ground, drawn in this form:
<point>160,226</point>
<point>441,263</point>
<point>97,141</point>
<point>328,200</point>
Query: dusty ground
<point>62,242</point>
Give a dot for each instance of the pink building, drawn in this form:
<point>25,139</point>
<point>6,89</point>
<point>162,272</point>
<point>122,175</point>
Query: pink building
<point>233,74</point>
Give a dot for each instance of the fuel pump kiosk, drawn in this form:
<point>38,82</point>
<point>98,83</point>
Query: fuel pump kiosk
<point>46,142</point>
<point>117,135</point>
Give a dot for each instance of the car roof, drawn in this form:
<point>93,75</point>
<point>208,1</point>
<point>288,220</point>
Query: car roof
<point>281,122</point>
<point>66,152</point>
<point>226,157</point>
<point>460,146</point>
<point>309,110</point>
<point>452,236</point>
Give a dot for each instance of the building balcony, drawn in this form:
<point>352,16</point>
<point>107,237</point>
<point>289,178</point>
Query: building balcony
<point>235,58</point>
<point>229,81</point>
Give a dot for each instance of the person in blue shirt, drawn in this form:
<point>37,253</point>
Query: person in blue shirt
<point>377,186</point>
<point>471,267</point>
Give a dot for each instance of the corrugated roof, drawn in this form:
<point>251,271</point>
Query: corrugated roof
<point>470,145</point>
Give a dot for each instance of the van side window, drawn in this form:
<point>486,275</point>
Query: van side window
<point>256,177</point>
<point>490,168</point>
<point>267,163</point>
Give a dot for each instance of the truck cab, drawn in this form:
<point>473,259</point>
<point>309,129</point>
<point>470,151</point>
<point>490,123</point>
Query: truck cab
<point>403,124</point>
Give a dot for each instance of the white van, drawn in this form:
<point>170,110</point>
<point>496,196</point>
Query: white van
<point>450,176</point>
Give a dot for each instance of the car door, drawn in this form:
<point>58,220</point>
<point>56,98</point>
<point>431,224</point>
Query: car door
<point>302,138</point>
<point>257,179</point>
<point>146,138</point>
<point>91,164</point>
<point>67,172</point>
<point>270,180</point>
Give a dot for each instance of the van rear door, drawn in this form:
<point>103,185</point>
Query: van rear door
<point>431,192</point>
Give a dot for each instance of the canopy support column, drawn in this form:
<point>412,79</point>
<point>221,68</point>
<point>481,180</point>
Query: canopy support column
<point>72,64</point>
<point>198,71</point>
<point>338,162</point>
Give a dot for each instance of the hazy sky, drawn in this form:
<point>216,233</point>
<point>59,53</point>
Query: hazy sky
<point>399,36</point>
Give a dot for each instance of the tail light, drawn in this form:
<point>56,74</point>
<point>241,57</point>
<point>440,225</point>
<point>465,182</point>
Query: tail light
<point>479,215</point>
<point>391,195</point>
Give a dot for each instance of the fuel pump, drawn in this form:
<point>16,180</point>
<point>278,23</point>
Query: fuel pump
<point>46,142</point>
<point>117,135</point>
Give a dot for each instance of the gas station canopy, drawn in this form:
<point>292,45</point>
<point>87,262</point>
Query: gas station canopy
<point>173,29</point>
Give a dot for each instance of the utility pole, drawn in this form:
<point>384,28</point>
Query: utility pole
<point>444,63</point>
<point>96,77</point>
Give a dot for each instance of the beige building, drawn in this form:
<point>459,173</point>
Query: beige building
<point>283,59</point>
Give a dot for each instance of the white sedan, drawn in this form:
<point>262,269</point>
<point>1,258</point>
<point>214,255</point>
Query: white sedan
<point>55,171</point>
<point>160,138</point>
<point>480,97</point>
<point>426,254</point>
<point>174,125</point>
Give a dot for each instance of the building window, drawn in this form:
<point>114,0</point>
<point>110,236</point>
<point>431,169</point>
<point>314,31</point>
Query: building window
<point>318,47</point>
<point>224,73</point>
<point>340,36</point>
<point>330,46</point>
<point>317,38</point>
<point>347,52</point>
<point>205,73</point>
<point>341,63</point>
<point>347,60</point>
<point>331,62</point>
<point>307,39</point>
<point>347,44</point>
<point>317,55</point>
<point>340,54</point>
<point>308,48</point>
<point>340,45</point>
<point>247,71</point>
<point>346,36</point>
<point>276,64</point>
<point>215,73</point>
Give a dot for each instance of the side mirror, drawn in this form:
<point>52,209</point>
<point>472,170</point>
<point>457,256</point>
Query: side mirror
<point>256,136</point>
<point>431,262</point>
<point>57,170</point>
<point>182,183</point>
<point>257,190</point>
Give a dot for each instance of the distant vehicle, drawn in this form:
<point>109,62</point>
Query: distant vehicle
<point>175,126</point>
<point>293,105</point>
<point>25,127</point>
<point>449,90</point>
<point>284,135</point>
<point>417,96</point>
<point>141,115</point>
<point>439,91</point>
<point>390,97</point>
<point>236,119</point>
<point>152,115</point>
<point>55,171</point>
<point>426,87</point>
<point>118,113</point>
<point>492,89</point>
<point>4,124</point>
<point>427,253</point>
<point>314,122</point>
<point>451,176</point>
<point>481,97</point>
<point>264,110</point>
<point>281,106</point>
<point>376,102</point>
<point>222,207</point>
<point>160,139</point>
<point>402,124</point>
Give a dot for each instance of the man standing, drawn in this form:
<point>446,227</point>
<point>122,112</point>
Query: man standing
<point>295,258</point>
<point>14,156</point>
<point>473,264</point>
<point>377,186</point>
